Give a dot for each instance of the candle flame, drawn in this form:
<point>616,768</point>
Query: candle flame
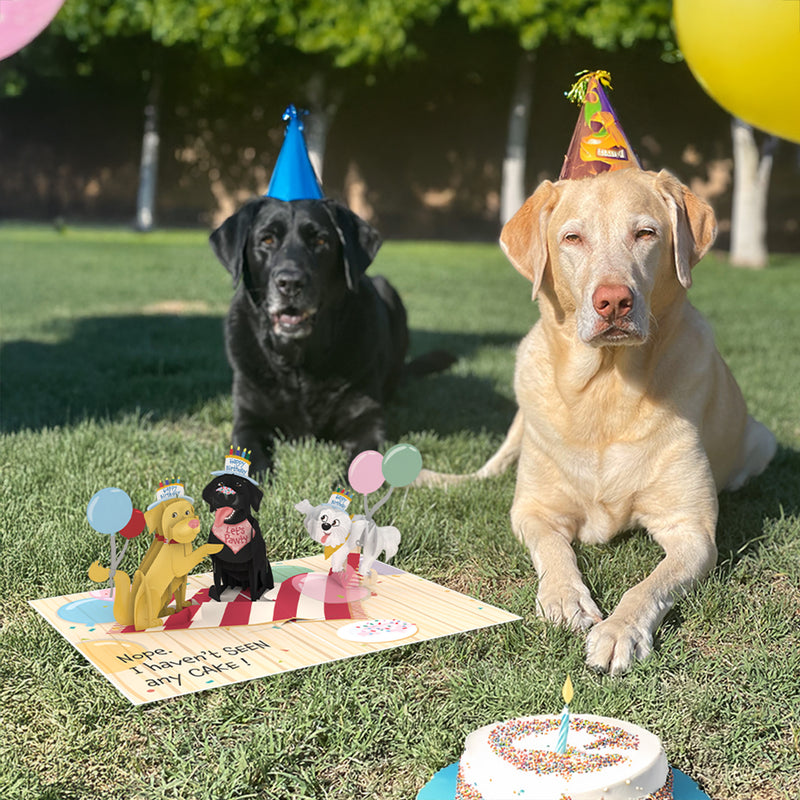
<point>567,690</point>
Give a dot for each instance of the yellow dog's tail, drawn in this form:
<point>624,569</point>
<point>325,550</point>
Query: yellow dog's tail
<point>505,456</point>
<point>98,573</point>
<point>123,600</point>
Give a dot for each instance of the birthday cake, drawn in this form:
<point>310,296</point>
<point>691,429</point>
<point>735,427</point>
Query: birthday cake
<point>605,759</point>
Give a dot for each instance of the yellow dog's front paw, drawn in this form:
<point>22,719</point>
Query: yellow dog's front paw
<point>568,605</point>
<point>613,645</point>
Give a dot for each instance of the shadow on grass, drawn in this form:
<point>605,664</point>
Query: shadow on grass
<point>744,514</point>
<point>161,364</point>
<point>167,365</point>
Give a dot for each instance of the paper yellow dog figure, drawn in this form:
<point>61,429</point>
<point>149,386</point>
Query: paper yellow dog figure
<point>163,570</point>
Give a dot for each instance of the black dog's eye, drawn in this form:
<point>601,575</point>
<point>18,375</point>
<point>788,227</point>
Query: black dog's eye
<point>321,241</point>
<point>268,240</point>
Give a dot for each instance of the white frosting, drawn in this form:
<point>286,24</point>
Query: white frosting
<point>641,768</point>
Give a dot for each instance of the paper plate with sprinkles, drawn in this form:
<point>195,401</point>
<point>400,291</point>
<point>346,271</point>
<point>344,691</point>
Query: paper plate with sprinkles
<point>377,630</point>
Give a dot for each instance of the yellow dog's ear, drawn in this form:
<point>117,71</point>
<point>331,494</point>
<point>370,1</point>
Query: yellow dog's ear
<point>153,518</point>
<point>694,226</point>
<point>524,236</point>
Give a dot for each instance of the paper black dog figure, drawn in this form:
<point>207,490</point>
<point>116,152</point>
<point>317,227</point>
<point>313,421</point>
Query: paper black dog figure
<point>232,498</point>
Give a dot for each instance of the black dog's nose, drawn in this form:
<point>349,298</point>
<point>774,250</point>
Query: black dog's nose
<point>290,282</point>
<point>326,526</point>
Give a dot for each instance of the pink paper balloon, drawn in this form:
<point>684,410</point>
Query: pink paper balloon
<point>365,473</point>
<point>21,21</point>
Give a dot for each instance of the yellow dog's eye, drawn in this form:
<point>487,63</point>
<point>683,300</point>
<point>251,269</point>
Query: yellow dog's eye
<point>572,238</point>
<point>645,233</point>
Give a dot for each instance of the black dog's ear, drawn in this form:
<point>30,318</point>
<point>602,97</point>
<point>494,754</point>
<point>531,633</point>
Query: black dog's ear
<point>229,240</point>
<point>255,497</point>
<point>209,490</point>
<point>360,241</point>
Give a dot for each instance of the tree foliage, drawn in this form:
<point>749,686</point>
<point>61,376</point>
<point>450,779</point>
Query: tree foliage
<point>344,33</point>
<point>348,31</point>
<point>608,24</point>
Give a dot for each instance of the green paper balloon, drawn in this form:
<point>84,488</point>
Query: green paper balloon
<point>401,465</point>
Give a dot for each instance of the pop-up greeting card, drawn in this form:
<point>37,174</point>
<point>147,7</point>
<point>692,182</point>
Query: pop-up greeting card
<point>313,614</point>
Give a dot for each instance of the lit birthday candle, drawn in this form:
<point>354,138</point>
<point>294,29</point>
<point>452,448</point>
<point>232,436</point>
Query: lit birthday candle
<point>563,730</point>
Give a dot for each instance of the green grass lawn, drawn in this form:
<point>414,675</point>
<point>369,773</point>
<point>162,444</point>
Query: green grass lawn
<point>113,374</point>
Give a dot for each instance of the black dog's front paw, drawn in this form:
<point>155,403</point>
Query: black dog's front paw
<point>214,593</point>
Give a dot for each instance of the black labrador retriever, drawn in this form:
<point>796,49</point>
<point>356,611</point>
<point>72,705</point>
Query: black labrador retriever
<point>316,346</point>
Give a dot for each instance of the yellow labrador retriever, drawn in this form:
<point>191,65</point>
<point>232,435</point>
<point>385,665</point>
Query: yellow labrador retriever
<point>628,416</point>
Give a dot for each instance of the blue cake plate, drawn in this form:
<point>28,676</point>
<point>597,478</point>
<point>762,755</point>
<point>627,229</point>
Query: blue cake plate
<point>442,786</point>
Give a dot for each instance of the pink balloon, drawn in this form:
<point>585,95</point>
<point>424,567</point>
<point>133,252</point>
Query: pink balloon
<point>21,21</point>
<point>365,473</point>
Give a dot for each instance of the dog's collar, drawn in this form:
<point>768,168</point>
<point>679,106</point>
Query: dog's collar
<point>159,538</point>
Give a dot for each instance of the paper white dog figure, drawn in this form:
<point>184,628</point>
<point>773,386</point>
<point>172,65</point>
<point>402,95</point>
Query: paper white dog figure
<point>333,526</point>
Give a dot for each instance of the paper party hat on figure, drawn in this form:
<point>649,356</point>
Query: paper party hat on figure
<point>237,462</point>
<point>598,143</point>
<point>340,499</point>
<point>171,489</point>
<point>293,177</point>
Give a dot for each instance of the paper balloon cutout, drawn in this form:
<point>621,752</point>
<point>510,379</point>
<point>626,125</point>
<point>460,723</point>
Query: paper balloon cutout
<point>135,526</point>
<point>365,473</point>
<point>401,465</point>
<point>109,510</point>
<point>745,54</point>
<point>22,21</point>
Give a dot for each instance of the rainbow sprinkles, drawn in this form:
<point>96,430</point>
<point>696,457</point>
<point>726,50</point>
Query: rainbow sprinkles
<point>548,762</point>
<point>605,759</point>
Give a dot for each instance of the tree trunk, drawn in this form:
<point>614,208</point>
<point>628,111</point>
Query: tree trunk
<point>513,192</point>
<point>148,166</point>
<point>751,174</point>
<point>322,107</point>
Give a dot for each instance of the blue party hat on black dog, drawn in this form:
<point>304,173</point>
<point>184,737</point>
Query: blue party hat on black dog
<point>293,177</point>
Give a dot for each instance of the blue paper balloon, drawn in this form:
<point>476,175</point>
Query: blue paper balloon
<point>109,510</point>
<point>401,464</point>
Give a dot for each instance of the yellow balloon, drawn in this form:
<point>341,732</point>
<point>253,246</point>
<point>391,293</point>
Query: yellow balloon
<point>746,55</point>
